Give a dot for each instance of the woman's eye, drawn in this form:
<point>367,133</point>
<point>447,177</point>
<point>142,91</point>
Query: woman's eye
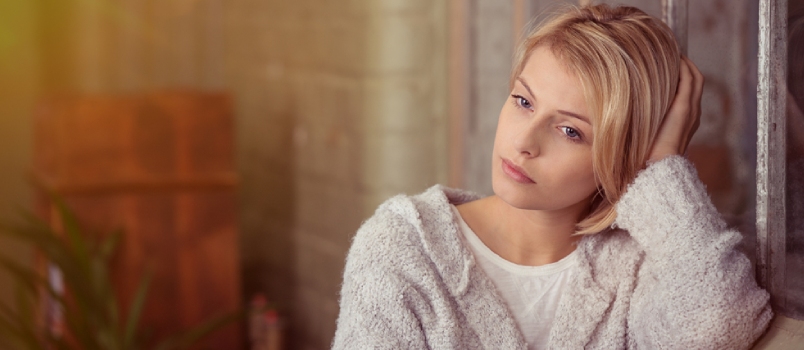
<point>570,132</point>
<point>522,101</point>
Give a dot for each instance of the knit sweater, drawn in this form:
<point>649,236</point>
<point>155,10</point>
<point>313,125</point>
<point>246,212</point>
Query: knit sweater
<point>665,276</point>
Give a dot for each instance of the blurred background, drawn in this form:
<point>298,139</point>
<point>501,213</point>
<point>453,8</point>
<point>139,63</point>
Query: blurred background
<point>241,143</point>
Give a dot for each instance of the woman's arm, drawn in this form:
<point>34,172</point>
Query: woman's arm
<point>695,290</point>
<point>377,304</point>
<point>376,313</point>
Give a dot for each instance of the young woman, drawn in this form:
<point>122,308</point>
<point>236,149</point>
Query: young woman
<point>599,233</point>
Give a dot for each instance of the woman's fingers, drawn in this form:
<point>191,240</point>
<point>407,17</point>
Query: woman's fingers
<point>694,115</point>
<point>696,103</point>
<point>683,116</point>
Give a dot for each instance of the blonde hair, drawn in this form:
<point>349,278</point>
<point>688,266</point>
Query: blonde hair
<point>628,63</point>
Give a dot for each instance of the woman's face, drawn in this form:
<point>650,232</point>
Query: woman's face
<point>543,147</point>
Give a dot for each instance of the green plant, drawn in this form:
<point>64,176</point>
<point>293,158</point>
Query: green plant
<point>91,313</point>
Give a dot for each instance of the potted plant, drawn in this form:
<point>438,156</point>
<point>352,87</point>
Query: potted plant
<point>72,305</point>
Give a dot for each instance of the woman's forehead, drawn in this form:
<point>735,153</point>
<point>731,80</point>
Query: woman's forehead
<point>553,84</point>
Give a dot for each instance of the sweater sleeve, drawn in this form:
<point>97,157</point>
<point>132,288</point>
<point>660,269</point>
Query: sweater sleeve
<point>695,290</point>
<point>377,304</point>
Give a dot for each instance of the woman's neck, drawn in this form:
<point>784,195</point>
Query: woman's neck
<point>523,237</point>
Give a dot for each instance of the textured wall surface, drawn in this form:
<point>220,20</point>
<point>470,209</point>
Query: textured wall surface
<point>491,46</point>
<point>130,45</point>
<point>341,105</point>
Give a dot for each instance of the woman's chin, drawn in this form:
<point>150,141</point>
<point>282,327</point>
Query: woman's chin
<point>515,196</point>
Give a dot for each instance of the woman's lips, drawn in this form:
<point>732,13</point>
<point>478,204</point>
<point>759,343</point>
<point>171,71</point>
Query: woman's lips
<point>515,172</point>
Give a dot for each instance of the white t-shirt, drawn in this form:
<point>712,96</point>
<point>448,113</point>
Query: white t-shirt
<point>531,292</point>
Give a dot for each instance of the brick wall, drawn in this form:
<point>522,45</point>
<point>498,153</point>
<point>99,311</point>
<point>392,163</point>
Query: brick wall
<point>340,105</point>
<point>130,45</point>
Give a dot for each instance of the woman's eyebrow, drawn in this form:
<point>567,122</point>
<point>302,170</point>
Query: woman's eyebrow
<point>567,113</point>
<point>570,114</point>
<point>522,80</point>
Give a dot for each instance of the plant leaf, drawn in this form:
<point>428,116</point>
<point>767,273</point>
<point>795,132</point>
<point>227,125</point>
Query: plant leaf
<point>16,331</point>
<point>25,307</point>
<point>32,281</point>
<point>135,311</point>
<point>60,343</point>
<point>24,277</point>
<point>90,311</point>
<point>71,229</point>
<point>110,244</point>
<point>86,286</point>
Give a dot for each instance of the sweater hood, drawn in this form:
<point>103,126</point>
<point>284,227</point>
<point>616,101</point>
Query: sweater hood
<point>438,231</point>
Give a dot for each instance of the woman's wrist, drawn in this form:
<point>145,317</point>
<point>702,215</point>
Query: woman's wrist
<point>657,156</point>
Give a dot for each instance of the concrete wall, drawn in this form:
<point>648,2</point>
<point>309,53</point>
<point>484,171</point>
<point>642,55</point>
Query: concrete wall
<point>131,45</point>
<point>341,105</point>
<point>491,37</point>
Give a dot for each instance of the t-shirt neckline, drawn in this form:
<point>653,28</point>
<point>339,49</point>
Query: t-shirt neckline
<point>524,270</point>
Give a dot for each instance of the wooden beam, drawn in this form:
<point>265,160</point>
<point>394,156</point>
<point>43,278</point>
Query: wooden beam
<point>141,184</point>
<point>771,148</point>
<point>674,13</point>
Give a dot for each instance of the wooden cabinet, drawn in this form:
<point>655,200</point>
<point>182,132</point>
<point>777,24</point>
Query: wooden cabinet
<point>161,167</point>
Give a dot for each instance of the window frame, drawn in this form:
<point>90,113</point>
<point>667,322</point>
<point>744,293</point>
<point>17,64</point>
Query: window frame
<point>771,149</point>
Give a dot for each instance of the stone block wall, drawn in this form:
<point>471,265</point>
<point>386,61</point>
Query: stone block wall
<point>129,45</point>
<point>341,105</point>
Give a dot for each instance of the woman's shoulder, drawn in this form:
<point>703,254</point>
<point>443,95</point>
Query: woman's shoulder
<point>407,232</point>
<point>405,216</point>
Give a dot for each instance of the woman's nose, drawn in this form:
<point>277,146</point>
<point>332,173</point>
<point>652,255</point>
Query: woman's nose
<point>527,140</point>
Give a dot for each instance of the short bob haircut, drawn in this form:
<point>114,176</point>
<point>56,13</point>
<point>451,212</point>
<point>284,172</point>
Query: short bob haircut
<point>628,63</point>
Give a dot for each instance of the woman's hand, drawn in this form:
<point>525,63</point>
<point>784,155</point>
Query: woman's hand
<point>684,115</point>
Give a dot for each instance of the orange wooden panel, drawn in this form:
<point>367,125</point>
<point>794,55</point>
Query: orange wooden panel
<point>188,242</point>
<point>134,138</point>
<point>205,130</point>
<point>206,258</point>
<point>161,167</point>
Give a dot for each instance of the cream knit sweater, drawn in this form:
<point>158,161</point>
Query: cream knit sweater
<point>668,277</point>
